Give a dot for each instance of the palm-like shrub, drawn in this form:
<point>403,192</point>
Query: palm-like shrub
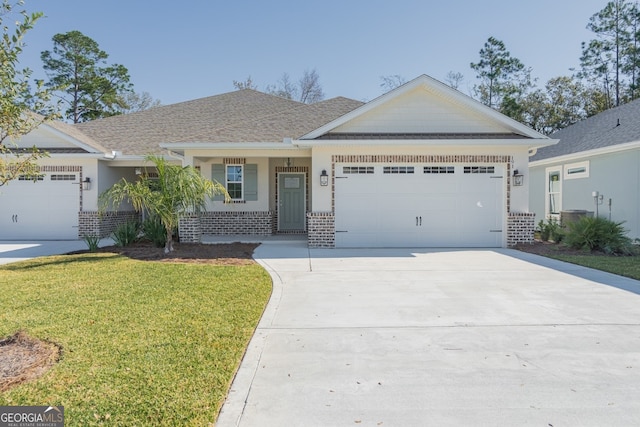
<point>153,230</point>
<point>126,233</point>
<point>177,190</point>
<point>599,234</point>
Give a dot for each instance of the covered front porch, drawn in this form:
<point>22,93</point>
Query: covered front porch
<point>269,195</point>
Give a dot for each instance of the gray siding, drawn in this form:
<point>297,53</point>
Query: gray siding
<point>536,192</point>
<point>616,176</point>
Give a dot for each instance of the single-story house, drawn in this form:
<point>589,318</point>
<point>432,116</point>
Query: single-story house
<point>421,166</point>
<point>594,168</point>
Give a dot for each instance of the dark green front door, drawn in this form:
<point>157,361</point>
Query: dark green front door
<point>291,202</point>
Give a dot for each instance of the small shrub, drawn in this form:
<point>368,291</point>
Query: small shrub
<point>153,230</point>
<point>551,230</point>
<point>92,242</point>
<point>599,234</point>
<point>126,233</point>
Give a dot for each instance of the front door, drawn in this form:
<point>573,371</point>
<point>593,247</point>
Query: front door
<point>291,202</point>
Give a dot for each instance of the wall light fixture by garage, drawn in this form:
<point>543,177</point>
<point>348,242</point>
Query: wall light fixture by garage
<point>518,178</point>
<point>324,178</point>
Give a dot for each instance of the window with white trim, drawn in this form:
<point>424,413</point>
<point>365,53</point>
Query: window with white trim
<point>235,183</point>
<point>576,170</point>
<point>553,191</point>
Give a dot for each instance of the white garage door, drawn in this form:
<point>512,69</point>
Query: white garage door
<point>419,205</point>
<point>47,209</point>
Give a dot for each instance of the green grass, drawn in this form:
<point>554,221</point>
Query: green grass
<point>628,266</point>
<point>144,343</point>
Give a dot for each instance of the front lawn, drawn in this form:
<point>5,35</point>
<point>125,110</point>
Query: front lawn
<point>143,343</point>
<point>628,266</point>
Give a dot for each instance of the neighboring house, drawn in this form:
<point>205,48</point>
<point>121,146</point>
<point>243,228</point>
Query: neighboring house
<point>595,168</point>
<point>421,166</point>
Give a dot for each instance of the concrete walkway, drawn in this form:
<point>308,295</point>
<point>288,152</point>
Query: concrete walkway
<point>421,337</point>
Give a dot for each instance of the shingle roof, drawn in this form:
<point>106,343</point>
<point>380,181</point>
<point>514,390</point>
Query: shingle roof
<point>612,127</point>
<point>240,116</point>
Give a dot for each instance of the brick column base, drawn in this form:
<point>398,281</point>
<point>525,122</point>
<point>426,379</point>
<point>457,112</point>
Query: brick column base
<point>190,228</point>
<point>520,228</point>
<point>94,223</point>
<point>321,230</point>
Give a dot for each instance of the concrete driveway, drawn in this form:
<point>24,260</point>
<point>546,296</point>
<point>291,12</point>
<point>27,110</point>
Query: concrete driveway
<point>438,337</point>
<point>13,251</point>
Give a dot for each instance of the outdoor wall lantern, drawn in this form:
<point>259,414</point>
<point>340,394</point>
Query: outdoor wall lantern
<point>138,171</point>
<point>324,178</point>
<point>86,184</point>
<point>518,178</point>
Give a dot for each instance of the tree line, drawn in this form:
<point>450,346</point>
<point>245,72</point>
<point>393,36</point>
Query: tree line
<point>88,87</point>
<point>608,76</point>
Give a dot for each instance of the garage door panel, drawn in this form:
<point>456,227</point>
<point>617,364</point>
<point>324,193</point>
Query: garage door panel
<point>453,209</point>
<point>46,209</point>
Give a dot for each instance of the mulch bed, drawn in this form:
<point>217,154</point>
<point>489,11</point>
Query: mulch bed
<point>216,254</point>
<point>549,248</point>
<point>23,358</point>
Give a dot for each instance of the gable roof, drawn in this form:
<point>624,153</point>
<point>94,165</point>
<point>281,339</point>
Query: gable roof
<point>240,116</point>
<point>56,137</point>
<point>437,104</point>
<point>80,139</point>
<point>619,125</point>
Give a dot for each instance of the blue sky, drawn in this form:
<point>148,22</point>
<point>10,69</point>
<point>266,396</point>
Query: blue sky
<point>179,51</point>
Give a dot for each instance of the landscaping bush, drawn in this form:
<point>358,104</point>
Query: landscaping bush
<point>153,230</point>
<point>599,234</point>
<point>126,233</point>
<point>92,242</point>
<point>551,230</point>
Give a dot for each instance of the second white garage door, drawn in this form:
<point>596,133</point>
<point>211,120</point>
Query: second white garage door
<point>419,205</point>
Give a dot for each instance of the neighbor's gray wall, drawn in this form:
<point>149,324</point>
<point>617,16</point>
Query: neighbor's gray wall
<point>616,176</point>
<point>536,192</point>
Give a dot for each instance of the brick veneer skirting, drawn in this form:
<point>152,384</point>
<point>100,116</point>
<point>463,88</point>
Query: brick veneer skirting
<point>193,226</point>
<point>520,228</point>
<point>321,230</point>
<point>93,223</point>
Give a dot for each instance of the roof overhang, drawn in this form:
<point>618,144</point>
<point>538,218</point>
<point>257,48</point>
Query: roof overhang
<point>180,146</point>
<point>589,153</point>
<point>530,143</point>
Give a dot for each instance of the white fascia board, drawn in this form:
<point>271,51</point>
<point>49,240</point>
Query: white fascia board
<point>128,158</point>
<point>76,155</point>
<point>423,142</point>
<point>589,153</point>
<point>227,146</point>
